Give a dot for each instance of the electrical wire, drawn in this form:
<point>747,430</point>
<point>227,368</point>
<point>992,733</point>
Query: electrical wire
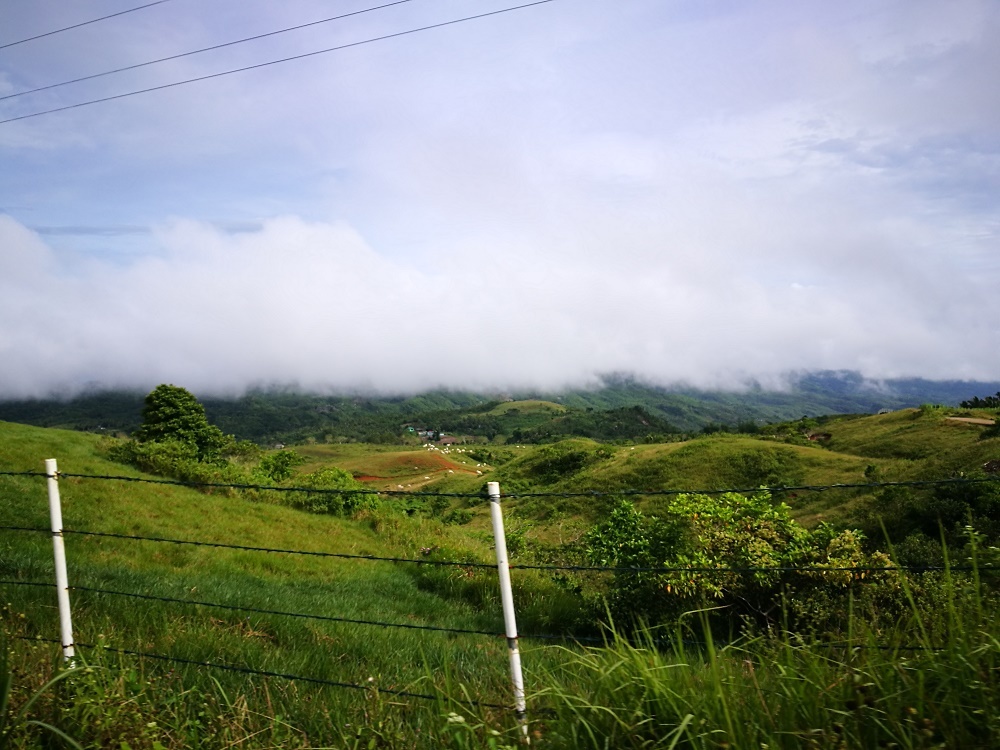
<point>275,62</point>
<point>203,49</point>
<point>84,23</point>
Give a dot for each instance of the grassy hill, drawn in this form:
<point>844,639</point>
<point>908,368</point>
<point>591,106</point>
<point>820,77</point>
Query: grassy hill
<point>913,444</point>
<point>187,705</point>
<point>333,587</point>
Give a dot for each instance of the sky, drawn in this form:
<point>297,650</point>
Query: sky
<point>704,192</point>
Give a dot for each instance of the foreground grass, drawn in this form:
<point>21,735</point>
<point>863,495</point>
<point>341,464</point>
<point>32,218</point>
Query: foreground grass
<point>933,682</point>
<point>780,694</point>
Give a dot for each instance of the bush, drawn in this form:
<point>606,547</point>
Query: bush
<point>280,465</point>
<point>740,554</point>
<point>336,492</point>
<point>175,459</point>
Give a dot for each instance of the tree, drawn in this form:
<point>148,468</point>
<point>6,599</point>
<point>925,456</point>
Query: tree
<point>990,402</point>
<point>172,413</point>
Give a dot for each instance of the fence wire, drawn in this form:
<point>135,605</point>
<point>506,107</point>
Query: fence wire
<point>577,639</point>
<point>624,492</point>
<point>531,566</point>
<point>371,688</point>
<point>255,610</point>
<point>569,568</point>
<point>26,528</point>
<point>276,550</point>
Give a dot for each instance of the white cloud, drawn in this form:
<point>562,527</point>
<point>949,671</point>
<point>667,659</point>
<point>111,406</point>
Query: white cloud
<point>314,304</point>
<point>698,192</point>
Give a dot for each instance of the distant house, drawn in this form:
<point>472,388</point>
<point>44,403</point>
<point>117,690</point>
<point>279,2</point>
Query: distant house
<point>448,440</point>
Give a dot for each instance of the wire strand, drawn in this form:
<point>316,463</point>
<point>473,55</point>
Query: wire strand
<point>776,489</point>
<point>372,688</point>
<point>203,49</point>
<point>772,489</point>
<point>529,566</point>
<point>84,23</point>
<point>25,528</point>
<point>27,583</point>
<point>220,545</point>
<point>255,610</point>
<point>757,569</point>
<point>271,488</point>
<point>275,62</point>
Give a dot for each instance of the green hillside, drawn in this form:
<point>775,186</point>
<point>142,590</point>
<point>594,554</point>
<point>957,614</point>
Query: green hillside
<point>621,408</point>
<point>335,587</point>
<point>236,597</point>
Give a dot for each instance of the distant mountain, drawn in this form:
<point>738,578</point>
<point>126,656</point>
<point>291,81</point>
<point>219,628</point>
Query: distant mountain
<point>807,394</point>
<point>621,408</point>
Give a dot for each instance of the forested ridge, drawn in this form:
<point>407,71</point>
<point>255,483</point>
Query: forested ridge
<point>622,408</point>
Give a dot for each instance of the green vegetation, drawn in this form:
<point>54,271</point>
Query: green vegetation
<point>604,413</point>
<point>745,555</point>
<point>851,652</point>
<point>990,402</point>
<point>172,414</point>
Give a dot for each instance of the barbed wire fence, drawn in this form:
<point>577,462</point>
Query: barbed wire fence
<point>503,566</point>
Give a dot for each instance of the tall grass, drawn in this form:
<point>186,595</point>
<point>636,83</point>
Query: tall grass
<point>931,682</point>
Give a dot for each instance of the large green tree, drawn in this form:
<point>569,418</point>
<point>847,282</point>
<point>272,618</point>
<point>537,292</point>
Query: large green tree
<point>172,413</point>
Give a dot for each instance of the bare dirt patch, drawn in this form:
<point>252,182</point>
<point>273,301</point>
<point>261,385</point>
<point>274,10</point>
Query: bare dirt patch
<point>973,420</point>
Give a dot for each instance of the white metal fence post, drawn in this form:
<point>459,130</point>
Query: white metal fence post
<point>507,598</point>
<point>59,555</point>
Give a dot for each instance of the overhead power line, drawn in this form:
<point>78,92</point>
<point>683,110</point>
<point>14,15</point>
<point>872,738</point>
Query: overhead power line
<point>275,62</point>
<point>203,49</point>
<point>84,23</point>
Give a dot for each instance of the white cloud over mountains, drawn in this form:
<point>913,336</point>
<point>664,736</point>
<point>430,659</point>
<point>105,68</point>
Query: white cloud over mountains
<point>700,193</point>
<point>313,304</point>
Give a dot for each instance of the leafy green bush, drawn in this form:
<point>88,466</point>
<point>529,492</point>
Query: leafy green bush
<point>326,498</point>
<point>458,517</point>
<point>740,554</point>
<point>943,513</point>
<point>280,465</point>
<point>176,459</point>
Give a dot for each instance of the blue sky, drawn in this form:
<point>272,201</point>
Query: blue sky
<point>698,192</point>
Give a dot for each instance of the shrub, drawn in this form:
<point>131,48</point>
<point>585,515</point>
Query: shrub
<point>336,492</point>
<point>740,554</point>
<point>280,465</point>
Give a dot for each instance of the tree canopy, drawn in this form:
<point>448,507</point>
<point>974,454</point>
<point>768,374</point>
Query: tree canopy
<point>172,413</point>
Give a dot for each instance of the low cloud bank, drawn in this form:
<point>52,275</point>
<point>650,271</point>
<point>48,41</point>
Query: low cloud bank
<point>314,305</point>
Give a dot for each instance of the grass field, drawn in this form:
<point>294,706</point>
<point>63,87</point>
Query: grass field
<point>381,657</point>
<point>775,691</point>
<point>532,406</point>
